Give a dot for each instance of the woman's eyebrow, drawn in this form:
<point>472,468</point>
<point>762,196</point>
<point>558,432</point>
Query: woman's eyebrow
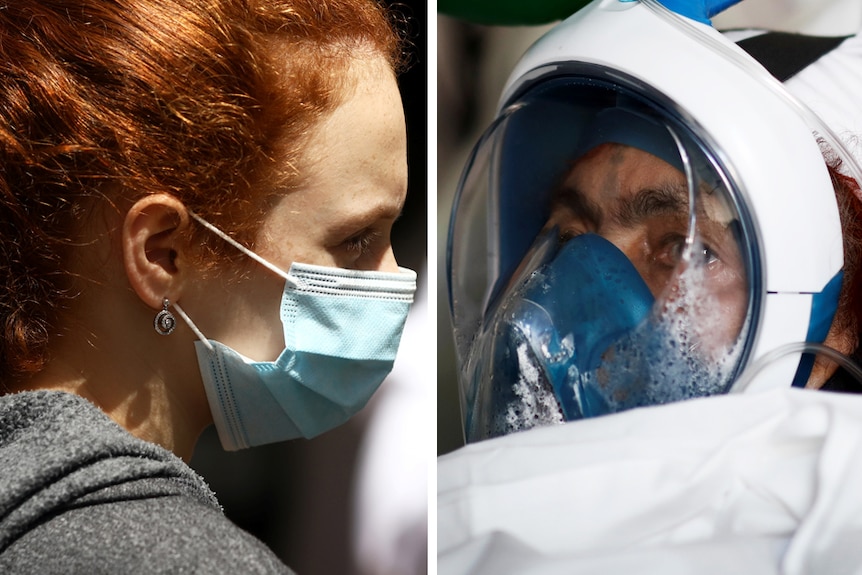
<point>367,217</point>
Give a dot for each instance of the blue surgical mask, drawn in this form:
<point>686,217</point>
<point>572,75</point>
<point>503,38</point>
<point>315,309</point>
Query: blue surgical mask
<point>341,332</point>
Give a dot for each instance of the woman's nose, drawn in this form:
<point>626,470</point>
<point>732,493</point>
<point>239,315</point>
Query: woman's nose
<point>388,262</point>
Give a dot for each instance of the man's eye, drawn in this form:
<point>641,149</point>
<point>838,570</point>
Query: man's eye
<point>707,256</point>
<point>701,254</point>
<point>668,250</point>
<point>570,232</point>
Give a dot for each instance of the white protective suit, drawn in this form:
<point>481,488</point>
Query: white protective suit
<point>745,484</point>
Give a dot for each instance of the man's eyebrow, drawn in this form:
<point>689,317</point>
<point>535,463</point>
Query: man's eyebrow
<point>573,199</point>
<point>671,199</point>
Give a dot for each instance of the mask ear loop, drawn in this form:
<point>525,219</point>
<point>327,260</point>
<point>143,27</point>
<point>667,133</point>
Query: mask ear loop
<point>268,265</point>
<point>192,326</point>
<point>801,347</point>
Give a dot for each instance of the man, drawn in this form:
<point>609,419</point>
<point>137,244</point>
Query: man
<point>722,484</point>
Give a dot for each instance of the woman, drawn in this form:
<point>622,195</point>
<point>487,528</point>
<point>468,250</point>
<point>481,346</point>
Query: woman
<point>192,167</point>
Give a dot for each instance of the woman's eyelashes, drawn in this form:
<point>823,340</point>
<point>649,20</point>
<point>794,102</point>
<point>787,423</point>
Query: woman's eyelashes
<point>362,243</point>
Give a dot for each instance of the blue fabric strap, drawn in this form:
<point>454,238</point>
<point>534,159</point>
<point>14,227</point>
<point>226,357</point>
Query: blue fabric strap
<point>700,10</point>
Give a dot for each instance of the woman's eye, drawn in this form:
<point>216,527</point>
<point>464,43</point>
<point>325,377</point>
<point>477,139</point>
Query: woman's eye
<point>361,243</point>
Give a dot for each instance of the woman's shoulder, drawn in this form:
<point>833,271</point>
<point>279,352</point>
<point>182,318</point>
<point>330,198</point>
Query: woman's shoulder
<point>116,532</point>
<point>81,494</point>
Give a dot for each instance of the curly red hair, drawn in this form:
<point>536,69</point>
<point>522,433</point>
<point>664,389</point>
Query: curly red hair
<point>109,100</point>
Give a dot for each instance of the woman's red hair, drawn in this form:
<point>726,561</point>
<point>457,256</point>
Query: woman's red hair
<point>109,100</point>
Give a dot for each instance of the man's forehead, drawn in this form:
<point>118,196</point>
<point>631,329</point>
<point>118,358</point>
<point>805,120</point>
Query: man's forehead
<point>634,185</point>
<point>615,170</point>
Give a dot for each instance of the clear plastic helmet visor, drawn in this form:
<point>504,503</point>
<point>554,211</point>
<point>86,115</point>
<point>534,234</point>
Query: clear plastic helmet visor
<point>600,258</point>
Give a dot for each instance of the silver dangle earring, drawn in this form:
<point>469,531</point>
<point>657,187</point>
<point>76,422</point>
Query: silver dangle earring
<point>165,321</point>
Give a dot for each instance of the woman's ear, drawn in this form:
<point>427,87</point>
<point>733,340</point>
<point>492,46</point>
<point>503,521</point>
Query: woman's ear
<point>151,245</point>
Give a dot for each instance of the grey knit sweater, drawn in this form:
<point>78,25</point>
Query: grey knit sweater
<point>79,494</point>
